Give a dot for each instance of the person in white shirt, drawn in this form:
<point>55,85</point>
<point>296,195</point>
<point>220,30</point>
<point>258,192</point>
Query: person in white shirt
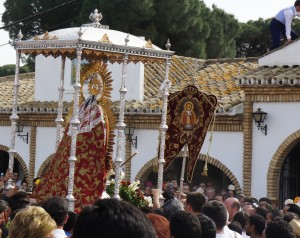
<point>217,211</point>
<point>281,25</point>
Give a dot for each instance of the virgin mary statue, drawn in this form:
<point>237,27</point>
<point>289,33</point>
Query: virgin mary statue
<point>93,149</point>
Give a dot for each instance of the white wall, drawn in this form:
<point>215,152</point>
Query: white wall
<point>48,69</point>
<point>147,149</point>
<point>227,147</point>
<point>45,145</point>
<point>282,121</point>
<point>289,55</point>
<point>21,147</point>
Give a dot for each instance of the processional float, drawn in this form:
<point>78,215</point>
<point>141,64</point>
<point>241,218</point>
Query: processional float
<point>93,43</point>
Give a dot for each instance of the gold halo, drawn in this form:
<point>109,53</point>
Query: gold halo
<point>95,87</point>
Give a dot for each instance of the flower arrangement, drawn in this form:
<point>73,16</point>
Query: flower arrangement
<point>131,193</point>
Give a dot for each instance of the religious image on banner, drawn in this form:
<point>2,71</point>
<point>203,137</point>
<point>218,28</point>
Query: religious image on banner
<point>188,117</point>
<point>93,145</point>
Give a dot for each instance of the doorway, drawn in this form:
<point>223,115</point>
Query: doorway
<point>289,186</point>
<point>4,158</point>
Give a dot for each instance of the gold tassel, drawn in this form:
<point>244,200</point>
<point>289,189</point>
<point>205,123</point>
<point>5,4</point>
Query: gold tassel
<point>204,173</point>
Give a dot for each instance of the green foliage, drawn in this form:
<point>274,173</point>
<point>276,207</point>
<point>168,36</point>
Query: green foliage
<point>128,192</point>
<point>193,29</point>
<point>9,69</point>
<point>221,41</point>
<point>254,38</point>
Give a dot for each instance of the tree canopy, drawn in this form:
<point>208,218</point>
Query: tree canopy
<point>187,23</point>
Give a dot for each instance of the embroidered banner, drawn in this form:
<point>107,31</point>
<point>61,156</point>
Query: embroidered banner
<point>189,115</point>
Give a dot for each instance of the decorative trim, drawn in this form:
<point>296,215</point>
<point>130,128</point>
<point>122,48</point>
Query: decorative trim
<point>32,155</point>
<point>46,37</point>
<point>144,172</point>
<point>17,157</point>
<point>105,39</point>
<point>276,163</point>
<point>247,142</point>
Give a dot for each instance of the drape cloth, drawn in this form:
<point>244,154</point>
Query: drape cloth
<point>90,167</point>
<point>188,117</point>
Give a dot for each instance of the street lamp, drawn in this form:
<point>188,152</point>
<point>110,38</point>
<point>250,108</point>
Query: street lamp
<point>259,117</point>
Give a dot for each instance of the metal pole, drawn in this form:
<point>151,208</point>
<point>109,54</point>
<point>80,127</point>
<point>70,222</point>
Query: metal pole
<point>163,127</point>
<point>59,120</point>
<point>74,123</point>
<point>120,127</point>
<point>14,120</point>
<point>185,152</point>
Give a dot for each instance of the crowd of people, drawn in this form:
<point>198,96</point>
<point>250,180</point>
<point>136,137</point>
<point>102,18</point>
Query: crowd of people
<point>198,211</point>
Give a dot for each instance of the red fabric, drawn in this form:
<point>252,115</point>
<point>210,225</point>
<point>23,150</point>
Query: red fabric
<point>90,169</point>
<point>188,118</point>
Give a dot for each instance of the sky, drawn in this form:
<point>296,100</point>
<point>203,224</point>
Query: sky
<point>243,10</point>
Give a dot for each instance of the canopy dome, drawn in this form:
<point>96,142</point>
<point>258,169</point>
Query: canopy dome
<point>96,41</point>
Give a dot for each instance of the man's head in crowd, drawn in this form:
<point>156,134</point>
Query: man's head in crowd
<point>171,206</point>
<point>279,229</point>
<point>233,206</point>
<point>263,201</point>
<point>208,226</point>
<point>217,211</point>
<point>210,193</point>
<point>3,209</point>
<point>184,224</point>
<point>111,218</point>
<point>32,222</point>
<point>57,207</point>
<point>255,226</point>
<point>194,202</point>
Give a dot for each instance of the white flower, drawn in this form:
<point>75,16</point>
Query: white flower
<point>134,186</point>
<point>105,195</point>
<point>149,200</point>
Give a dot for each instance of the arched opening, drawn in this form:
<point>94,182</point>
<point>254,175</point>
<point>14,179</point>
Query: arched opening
<point>215,176</point>
<point>218,173</point>
<point>4,158</point>
<point>19,164</point>
<point>281,162</point>
<point>289,186</point>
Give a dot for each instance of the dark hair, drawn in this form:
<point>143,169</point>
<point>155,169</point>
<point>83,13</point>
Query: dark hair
<point>261,211</point>
<point>72,219</point>
<point>57,207</point>
<point>297,3</point>
<point>275,213</point>
<point>184,224</point>
<point>241,217</point>
<point>290,216</point>
<point>208,226</point>
<point>168,195</point>
<point>259,223</point>
<point>265,199</point>
<point>3,206</point>
<point>235,226</point>
<point>279,229</point>
<point>195,200</point>
<point>170,207</point>
<point>294,208</point>
<point>112,218</point>
<point>19,201</point>
<point>216,211</point>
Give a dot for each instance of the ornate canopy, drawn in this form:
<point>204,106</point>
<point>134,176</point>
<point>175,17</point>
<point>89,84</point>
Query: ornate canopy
<point>97,41</point>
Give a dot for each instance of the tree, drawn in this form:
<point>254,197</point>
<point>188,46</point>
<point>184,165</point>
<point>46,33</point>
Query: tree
<point>225,28</point>
<point>254,39</point>
<point>187,23</point>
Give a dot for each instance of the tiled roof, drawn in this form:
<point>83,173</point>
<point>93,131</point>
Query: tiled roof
<point>26,91</point>
<point>276,76</point>
<point>212,77</point>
